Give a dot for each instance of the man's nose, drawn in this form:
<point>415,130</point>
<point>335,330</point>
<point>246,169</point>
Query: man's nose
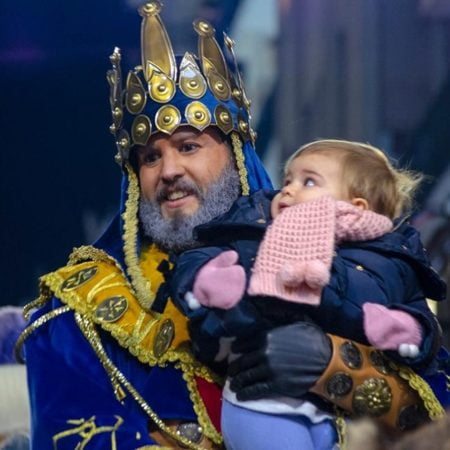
<point>172,166</point>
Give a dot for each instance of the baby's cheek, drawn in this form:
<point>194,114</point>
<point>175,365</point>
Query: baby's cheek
<point>274,206</point>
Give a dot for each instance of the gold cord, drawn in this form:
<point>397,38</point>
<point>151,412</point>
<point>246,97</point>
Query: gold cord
<point>43,298</point>
<point>431,403</point>
<point>34,326</point>
<point>240,162</point>
<point>130,218</point>
<point>118,379</point>
<point>341,428</point>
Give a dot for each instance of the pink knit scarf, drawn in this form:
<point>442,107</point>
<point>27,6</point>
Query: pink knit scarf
<point>294,258</point>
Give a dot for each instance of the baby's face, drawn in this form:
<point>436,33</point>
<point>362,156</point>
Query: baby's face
<point>308,177</point>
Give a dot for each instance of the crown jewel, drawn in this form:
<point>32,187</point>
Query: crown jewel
<point>165,92</point>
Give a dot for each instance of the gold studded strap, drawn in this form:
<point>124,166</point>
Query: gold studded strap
<point>363,382</point>
<point>101,291</point>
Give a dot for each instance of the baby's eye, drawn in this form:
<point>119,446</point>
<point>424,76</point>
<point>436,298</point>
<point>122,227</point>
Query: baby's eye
<point>309,182</point>
<point>286,182</point>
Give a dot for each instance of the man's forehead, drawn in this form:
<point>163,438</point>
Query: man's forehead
<point>179,135</point>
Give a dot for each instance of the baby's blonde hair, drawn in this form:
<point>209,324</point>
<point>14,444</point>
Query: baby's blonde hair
<point>368,173</point>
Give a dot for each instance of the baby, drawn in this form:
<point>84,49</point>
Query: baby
<point>333,254</point>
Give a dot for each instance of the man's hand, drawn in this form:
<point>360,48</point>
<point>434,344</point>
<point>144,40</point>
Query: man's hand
<point>287,361</point>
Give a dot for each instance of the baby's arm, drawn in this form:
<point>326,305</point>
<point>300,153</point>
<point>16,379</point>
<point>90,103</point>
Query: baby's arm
<point>215,281</point>
<point>208,276</point>
<point>360,276</point>
<point>220,283</point>
<point>187,265</point>
<point>405,319</point>
<point>391,329</point>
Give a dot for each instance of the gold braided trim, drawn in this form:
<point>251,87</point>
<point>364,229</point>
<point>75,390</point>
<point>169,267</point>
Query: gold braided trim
<point>144,355</point>
<point>151,447</point>
<point>132,341</point>
<point>90,253</point>
<point>240,162</point>
<point>51,283</point>
<point>183,359</point>
<point>130,217</point>
<point>44,297</point>
<point>199,407</point>
<point>87,253</point>
<point>88,329</point>
<point>151,257</point>
<point>431,403</point>
<point>34,326</point>
<point>341,428</point>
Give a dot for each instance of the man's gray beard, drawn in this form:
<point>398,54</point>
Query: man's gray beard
<point>176,233</point>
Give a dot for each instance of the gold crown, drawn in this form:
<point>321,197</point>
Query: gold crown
<point>177,91</point>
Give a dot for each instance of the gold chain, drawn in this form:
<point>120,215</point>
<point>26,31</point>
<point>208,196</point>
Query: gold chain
<point>35,325</point>
<point>117,377</point>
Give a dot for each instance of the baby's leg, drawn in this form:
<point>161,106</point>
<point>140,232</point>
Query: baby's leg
<point>324,435</point>
<point>245,429</point>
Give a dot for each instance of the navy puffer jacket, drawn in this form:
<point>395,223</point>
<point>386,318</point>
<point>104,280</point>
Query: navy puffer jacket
<point>392,270</point>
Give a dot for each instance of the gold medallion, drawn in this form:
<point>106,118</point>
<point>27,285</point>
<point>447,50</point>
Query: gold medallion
<point>135,97</point>
<point>372,398</point>
<point>223,119</point>
<point>380,362</point>
<point>192,83</point>
<point>111,309</point>
<point>141,130</point>
<point>163,338</point>
<point>197,115</point>
<point>350,354</point>
<point>167,119</point>
<point>78,278</point>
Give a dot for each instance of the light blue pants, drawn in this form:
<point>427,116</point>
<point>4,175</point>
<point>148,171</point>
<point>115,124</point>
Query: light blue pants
<point>244,429</point>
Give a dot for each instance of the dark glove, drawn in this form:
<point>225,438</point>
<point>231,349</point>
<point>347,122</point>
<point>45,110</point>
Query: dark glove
<point>287,361</point>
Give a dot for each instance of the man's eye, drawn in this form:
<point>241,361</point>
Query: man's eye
<point>309,182</point>
<point>150,158</point>
<point>188,147</point>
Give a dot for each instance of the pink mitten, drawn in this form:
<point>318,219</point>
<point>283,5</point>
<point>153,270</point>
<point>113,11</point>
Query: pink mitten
<point>388,329</point>
<point>220,283</point>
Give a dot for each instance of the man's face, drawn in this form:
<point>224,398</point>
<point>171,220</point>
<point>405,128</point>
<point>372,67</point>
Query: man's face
<point>175,170</point>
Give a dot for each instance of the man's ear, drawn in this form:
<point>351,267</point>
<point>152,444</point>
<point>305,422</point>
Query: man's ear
<point>360,202</point>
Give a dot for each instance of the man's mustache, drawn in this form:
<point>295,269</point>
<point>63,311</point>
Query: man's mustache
<point>189,187</point>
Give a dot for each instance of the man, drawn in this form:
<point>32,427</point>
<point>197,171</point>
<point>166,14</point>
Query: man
<point>109,360</point>
<point>109,357</point>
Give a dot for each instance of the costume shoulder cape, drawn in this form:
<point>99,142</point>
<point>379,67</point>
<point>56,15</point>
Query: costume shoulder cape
<point>94,286</point>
